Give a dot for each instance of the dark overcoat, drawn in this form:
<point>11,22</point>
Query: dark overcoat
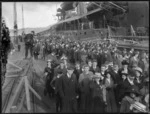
<point>68,93</point>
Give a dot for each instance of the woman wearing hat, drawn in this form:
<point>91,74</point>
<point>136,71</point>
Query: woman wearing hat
<point>139,78</point>
<point>110,96</point>
<point>145,91</point>
<point>98,95</point>
<point>134,59</point>
<point>127,102</point>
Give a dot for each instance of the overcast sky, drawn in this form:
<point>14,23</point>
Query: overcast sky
<point>36,14</point>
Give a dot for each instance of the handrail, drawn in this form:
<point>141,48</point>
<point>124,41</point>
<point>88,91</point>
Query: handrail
<point>146,37</point>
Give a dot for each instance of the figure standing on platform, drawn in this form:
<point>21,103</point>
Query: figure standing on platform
<point>29,44</point>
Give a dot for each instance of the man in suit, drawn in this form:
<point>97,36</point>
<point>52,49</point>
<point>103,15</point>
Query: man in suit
<point>77,70</point>
<point>84,80</point>
<point>55,83</point>
<point>29,44</point>
<point>94,67</point>
<point>68,93</point>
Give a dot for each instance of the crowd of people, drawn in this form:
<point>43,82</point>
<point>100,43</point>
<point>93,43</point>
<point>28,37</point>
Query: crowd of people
<point>94,76</point>
<point>5,44</point>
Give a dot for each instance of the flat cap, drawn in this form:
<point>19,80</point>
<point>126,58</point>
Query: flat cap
<point>124,62</point>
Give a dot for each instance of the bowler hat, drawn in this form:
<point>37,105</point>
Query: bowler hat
<point>138,69</point>
<point>70,67</point>
<point>124,62</point>
<point>59,71</point>
<point>61,61</point>
<point>94,60</point>
<point>49,60</point>
<point>131,73</point>
<point>96,77</point>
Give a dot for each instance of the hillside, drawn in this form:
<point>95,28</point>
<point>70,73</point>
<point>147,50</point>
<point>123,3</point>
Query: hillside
<point>28,30</point>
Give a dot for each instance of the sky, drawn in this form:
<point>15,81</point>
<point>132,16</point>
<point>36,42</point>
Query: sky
<point>36,14</point>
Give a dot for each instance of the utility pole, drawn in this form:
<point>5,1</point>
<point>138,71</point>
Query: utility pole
<point>23,30</point>
<point>15,25</point>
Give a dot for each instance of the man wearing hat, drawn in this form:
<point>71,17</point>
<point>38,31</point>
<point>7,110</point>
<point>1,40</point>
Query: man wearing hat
<point>68,91</point>
<point>77,70</point>
<point>60,67</point>
<point>98,95</point>
<point>55,83</point>
<point>125,68</point>
<point>49,73</point>
<point>94,67</point>
<point>84,80</point>
<point>36,50</point>
<point>53,57</point>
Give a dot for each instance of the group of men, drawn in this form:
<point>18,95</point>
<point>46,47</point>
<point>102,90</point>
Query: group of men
<point>95,76</point>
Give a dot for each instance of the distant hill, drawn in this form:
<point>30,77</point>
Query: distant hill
<point>28,30</point>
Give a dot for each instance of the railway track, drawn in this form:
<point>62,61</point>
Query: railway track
<point>13,104</point>
<point>12,86</point>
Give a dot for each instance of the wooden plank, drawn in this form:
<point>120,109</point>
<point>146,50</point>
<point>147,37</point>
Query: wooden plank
<point>12,76</point>
<point>34,92</point>
<point>14,96</point>
<point>13,109</point>
<point>15,65</point>
<point>27,94</point>
<point>21,104</point>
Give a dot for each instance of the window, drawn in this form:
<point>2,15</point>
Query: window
<point>84,33</point>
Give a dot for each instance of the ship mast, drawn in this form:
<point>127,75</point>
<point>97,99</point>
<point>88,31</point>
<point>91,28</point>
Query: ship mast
<point>23,30</point>
<point>15,24</point>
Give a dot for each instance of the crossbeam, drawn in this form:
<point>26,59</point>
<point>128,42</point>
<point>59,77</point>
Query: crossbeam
<point>15,65</point>
<point>14,96</point>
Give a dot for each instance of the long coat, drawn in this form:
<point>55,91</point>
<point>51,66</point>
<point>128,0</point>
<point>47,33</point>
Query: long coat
<point>98,95</point>
<point>84,88</point>
<point>126,86</point>
<point>49,78</point>
<point>110,96</point>
<point>125,106</point>
<point>95,70</point>
<point>68,93</point>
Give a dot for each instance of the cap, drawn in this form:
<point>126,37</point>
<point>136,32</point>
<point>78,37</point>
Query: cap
<point>85,65</point>
<point>59,72</point>
<point>132,73</point>
<point>138,69</point>
<point>96,77</point>
<point>61,61</point>
<point>134,65</point>
<point>107,63</point>
<point>89,60</point>
<point>124,62</point>
<point>70,67</point>
<point>94,60</point>
<point>49,60</point>
<point>77,62</point>
<point>136,52</point>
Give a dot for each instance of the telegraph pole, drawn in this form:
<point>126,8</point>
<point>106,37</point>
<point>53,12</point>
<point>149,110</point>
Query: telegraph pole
<point>15,25</point>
